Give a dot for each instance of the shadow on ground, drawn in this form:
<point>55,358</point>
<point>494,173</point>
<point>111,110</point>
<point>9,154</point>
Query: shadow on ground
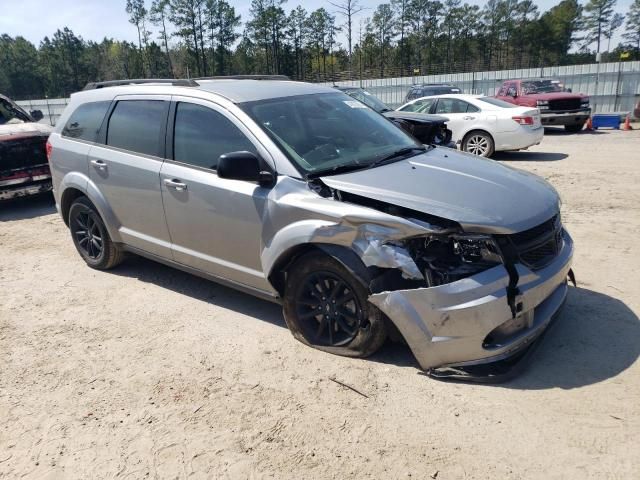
<point>27,207</point>
<point>595,338</point>
<point>200,289</point>
<point>560,131</point>
<point>529,156</point>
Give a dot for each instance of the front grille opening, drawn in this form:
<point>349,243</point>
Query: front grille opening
<point>539,246</point>
<point>565,104</point>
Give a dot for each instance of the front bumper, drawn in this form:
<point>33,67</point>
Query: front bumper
<point>449,325</point>
<point>570,117</point>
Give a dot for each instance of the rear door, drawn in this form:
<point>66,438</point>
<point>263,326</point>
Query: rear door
<point>215,223</point>
<point>126,169</point>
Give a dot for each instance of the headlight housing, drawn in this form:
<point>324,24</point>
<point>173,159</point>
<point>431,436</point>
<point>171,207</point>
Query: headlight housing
<point>444,259</point>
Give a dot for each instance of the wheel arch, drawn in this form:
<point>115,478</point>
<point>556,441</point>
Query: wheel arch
<point>346,256</point>
<point>75,185</point>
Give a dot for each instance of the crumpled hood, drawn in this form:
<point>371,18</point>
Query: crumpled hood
<point>482,195</point>
<point>24,129</point>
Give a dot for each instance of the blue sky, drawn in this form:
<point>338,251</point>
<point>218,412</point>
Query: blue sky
<point>95,19</point>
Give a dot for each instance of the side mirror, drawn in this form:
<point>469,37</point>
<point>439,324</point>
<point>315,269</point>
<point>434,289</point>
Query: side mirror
<point>37,115</point>
<point>244,166</point>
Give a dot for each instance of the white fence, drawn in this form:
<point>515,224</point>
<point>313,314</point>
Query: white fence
<point>613,87</point>
<point>51,108</point>
<point>618,84</point>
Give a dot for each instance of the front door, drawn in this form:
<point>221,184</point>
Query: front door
<point>126,170</point>
<point>215,223</point>
<point>462,116</point>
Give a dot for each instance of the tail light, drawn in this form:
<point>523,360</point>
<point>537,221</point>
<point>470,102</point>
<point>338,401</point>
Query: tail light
<point>523,120</point>
<point>49,149</point>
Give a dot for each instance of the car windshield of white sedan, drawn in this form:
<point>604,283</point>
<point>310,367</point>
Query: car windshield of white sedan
<point>330,132</point>
<point>541,86</point>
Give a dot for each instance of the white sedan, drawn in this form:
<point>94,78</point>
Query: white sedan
<point>482,125</point>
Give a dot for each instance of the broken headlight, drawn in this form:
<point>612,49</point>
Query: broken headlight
<point>444,259</point>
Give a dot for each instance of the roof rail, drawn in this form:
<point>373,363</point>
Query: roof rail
<point>245,77</point>
<point>178,82</point>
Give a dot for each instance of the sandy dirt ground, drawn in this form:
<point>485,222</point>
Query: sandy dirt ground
<point>147,372</point>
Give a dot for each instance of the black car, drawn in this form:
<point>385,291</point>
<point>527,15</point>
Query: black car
<point>430,89</point>
<point>24,169</point>
<point>429,129</point>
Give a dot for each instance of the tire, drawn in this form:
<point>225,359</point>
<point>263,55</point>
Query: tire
<point>574,128</point>
<point>348,325</point>
<point>90,236</point>
<point>478,143</point>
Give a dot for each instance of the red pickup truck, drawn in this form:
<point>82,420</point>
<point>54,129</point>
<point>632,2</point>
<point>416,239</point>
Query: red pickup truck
<point>558,106</point>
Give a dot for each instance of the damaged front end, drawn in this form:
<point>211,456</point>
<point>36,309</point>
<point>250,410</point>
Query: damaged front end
<point>470,306</point>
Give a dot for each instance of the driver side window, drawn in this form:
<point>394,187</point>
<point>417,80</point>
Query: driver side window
<point>201,135</point>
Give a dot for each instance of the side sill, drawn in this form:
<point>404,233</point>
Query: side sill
<point>207,276</point>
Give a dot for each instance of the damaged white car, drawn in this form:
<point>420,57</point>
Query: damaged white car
<point>302,195</point>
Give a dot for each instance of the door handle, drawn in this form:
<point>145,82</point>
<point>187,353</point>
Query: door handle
<point>468,117</point>
<point>176,184</point>
<point>99,164</point>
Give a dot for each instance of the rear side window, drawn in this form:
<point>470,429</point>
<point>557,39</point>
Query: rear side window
<point>454,105</point>
<point>201,135</point>
<point>136,125</point>
<point>85,121</point>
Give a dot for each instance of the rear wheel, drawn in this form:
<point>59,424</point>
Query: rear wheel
<point>575,127</point>
<point>325,307</point>
<point>90,236</point>
<point>478,143</point>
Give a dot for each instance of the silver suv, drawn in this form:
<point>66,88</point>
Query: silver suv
<point>302,195</point>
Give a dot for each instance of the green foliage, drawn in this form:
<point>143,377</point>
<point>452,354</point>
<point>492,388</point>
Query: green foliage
<point>207,37</point>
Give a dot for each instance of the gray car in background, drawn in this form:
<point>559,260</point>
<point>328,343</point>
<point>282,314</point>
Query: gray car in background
<point>302,195</point>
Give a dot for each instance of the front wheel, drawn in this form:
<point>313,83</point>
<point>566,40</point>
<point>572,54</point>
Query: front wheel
<point>478,143</point>
<point>325,307</point>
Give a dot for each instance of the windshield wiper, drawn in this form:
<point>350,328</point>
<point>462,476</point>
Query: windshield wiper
<point>400,154</point>
<point>336,170</point>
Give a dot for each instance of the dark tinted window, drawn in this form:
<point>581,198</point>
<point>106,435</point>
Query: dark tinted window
<point>201,135</point>
<point>85,121</point>
<point>136,125</point>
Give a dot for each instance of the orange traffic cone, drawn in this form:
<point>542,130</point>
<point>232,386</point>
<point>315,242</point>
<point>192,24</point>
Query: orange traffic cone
<point>627,124</point>
<point>589,126</point>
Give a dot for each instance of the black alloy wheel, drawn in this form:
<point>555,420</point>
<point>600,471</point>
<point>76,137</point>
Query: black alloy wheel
<point>88,235</point>
<point>328,311</point>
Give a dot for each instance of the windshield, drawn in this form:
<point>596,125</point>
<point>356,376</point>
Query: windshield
<point>329,131</point>
<point>496,102</point>
<point>541,86</point>
<point>10,113</point>
<point>368,99</point>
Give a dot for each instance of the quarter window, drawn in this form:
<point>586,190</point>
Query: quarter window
<point>136,125</point>
<point>201,135</point>
<point>85,121</point>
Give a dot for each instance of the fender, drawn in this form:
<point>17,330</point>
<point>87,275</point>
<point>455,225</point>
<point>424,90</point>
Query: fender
<point>81,182</point>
